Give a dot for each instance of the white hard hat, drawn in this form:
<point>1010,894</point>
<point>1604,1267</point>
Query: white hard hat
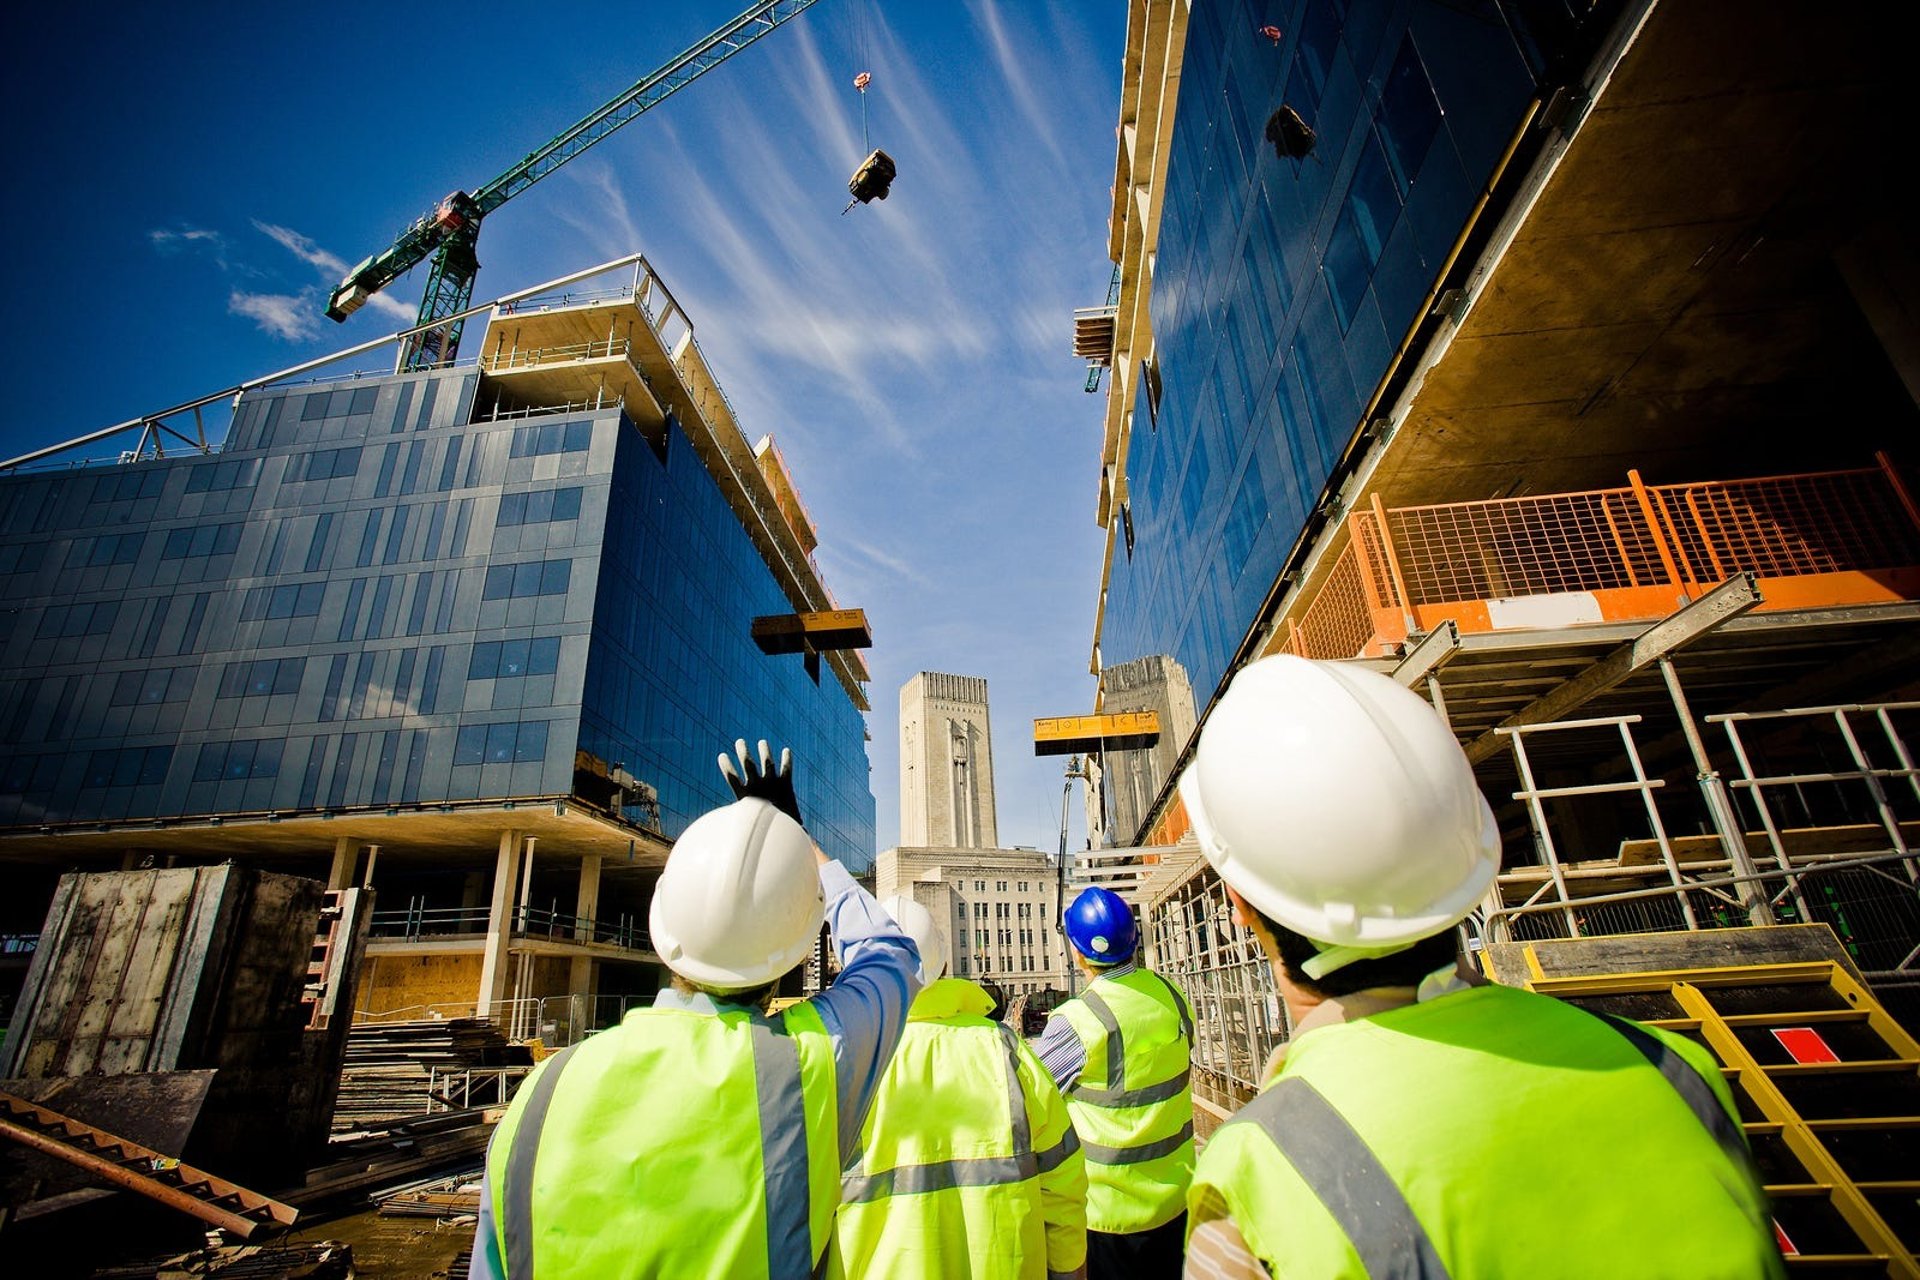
<point>918,923</point>
<point>740,902</point>
<point>1337,803</point>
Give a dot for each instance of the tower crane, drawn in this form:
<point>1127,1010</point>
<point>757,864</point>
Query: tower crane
<point>452,229</point>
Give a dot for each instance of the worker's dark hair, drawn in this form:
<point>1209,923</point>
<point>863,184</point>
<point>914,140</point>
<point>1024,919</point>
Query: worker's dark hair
<point>1401,969</point>
<point>752,997</point>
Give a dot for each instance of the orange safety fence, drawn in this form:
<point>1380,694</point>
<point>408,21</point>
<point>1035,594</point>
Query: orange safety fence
<point>1831,538</point>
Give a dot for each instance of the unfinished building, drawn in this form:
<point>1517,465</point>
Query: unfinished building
<point>471,635</point>
<point>1565,368</point>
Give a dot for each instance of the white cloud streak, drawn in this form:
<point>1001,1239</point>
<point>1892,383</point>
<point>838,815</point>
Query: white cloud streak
<point>290,317</point>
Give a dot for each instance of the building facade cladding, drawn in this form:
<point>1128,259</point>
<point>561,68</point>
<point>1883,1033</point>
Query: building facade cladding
<point>1129,781</point>
<point>946,762</point>
<point>998,906</point>
<point>366,598</point>
<point>673,673</point>
<point>1281,287</point>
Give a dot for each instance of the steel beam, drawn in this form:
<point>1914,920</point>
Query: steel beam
<point>1678,629</point>
<point>1432,653</point>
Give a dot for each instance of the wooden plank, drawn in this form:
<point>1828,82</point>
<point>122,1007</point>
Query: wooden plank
<point>145,976</point>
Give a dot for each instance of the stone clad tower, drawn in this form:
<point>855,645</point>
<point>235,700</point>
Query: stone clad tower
<point>946,763</point>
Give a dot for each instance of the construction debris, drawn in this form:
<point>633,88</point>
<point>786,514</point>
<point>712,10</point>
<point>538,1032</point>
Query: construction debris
<point>396,1070</point>
<point>454,1197</point>
<point>403,1152</point>
<point>153,1174</point>
<point>327,1260</point>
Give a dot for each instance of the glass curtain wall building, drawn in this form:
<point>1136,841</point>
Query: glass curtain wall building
<point>390,603</point>
<point>1282,285</point>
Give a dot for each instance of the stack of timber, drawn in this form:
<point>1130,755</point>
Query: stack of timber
<point>454,1197</point>
<point>327,1260</point>
<point>394,1070</point>
<point>400,1154</point>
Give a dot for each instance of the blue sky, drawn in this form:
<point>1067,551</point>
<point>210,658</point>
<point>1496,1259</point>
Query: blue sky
<point>188,186</point>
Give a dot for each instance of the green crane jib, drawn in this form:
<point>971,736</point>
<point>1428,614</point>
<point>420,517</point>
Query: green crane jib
<point>450,232</point>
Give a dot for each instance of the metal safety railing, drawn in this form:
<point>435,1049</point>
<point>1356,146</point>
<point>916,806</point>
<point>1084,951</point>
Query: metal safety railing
<point>1840,841</point>
<point>508,360</point>
<point>1237,1012</point>
<point>418,922</point>
<point>1634,549</point>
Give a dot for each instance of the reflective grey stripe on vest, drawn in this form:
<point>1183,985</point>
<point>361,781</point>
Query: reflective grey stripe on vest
<point>1693,1090</point>
<point>1116,1044</point>
<point>1139,1155</point>
<point>1180,1006</point>
<point>986,1171</point>
<point>1016,1096</point>
<point>516,1197</point>
<point>783,1150</point>
<point>1049,1160</point>
<point>1135,1097</point>
<point>1339,1168</point>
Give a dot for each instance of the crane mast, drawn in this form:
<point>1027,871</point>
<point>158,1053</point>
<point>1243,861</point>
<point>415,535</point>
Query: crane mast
<point>451,232</point>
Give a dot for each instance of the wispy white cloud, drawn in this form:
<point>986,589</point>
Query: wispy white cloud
<point>1016,67</point>
<point>303,248</point>
<point>172,239</point>
<point>331,266</point>
<point>291,317</point>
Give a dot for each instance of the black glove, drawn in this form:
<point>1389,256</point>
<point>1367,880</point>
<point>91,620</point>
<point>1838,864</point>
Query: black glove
<point>759,779</point>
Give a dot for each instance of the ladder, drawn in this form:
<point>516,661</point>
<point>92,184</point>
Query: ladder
<point>233,1209</point>
<point>1828,1086</point>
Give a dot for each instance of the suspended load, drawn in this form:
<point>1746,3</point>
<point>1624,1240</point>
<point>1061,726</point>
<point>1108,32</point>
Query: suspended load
<point>1291,136</point>
<point>872,179</point>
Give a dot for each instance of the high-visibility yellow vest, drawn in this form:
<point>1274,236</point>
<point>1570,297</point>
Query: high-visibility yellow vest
<point>675,1144</point>
<point>1492,1132</point>
<point>966,1154</point>
<point>1132,1105</point>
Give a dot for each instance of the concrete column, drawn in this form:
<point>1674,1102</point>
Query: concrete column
<point>493,964</point>
<point>346,855</point>
<point>587,906</point>
<point>586,909</point>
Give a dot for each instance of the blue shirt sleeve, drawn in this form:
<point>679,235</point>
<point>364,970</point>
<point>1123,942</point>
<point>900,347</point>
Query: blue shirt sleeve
<point>1061,1052</point>
<point>865,1009</point>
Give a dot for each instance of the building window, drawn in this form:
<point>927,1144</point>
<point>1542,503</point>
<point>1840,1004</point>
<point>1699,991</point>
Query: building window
<point>507,743</point>
<point>112,548</point>
<point>322,464</point>
<point>509,659</point>
<point>258,679</point>
<point>534,578</point>
<point>207,540</point>
<point>242,474</point>
<point>129,767</point>
<point>552,437</point>
<point>226,761</point>
<point>300,600</point>
<point>979,886</point>
<point>65,621</point>
<point>544,506</point>
<point>166,684</point>
<point>1000,886</point>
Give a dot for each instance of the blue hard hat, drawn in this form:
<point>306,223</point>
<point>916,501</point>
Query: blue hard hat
<point>1100,925</point>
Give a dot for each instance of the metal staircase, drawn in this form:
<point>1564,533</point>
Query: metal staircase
<point>1828,1086</point>
<point>233,1209</point>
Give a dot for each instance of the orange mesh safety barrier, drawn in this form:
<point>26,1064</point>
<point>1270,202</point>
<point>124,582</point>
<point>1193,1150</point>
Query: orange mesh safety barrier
<point>1338,624</point>
<point>1641,543</point>
<point>1786,526</point>
<point>1524,546</point>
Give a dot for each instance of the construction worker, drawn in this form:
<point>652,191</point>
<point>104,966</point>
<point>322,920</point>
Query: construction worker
<point>701,1136</point>
<point>1121,1052</point>
<point>1422,1121</point>
<point>968,1166</point>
